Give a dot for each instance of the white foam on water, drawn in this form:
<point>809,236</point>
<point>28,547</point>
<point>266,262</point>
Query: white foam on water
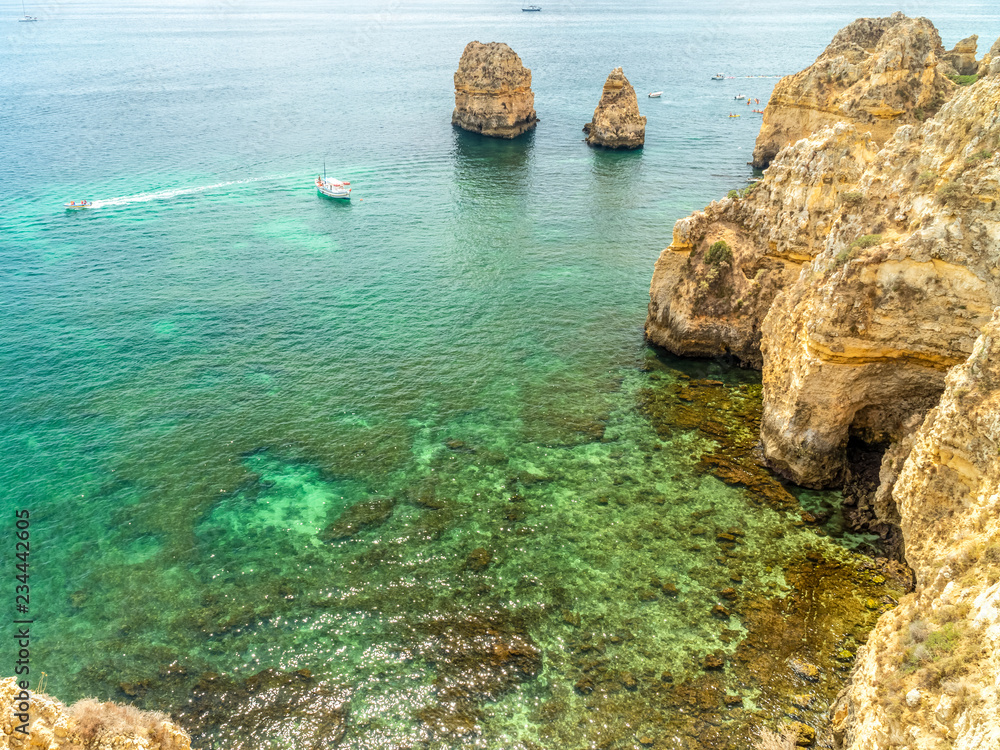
<point>165,195</point>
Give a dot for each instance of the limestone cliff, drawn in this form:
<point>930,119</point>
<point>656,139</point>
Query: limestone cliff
<point>907,278</point>
<point>87,725</point>
<point>710,299</point>
<point>877,73</point>
<point>617,122</point>
<point>930,673</point>
<point>854,277</point>
<point>493,93</point>
<point>963,56</point>
<point>865,282</point>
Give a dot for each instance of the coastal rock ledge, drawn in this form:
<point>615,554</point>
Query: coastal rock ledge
<point>862,275</point>
<point>617,122</point>
<point>877,74</point>
<point>86,725</point>
<point>493,93</point>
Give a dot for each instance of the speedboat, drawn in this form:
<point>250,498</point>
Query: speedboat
<point>531,8</point>
<point>336,189</point>
<point>656,95</point>
<point>718,77</point>
<point>77,205</point>
<point>740,97</point>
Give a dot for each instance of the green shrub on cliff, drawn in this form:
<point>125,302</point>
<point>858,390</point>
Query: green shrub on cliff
<point>952,194</point>
<point>867,240</point>
<point>742,192</point>
<point>853,198</point>
<point>718,253</point>
<point>979,156</point>
<point>964,80</point>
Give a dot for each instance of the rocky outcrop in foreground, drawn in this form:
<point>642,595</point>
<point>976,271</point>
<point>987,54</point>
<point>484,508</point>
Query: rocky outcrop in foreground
<point>861,343</point>
<point>617,122</point>
<point>877,73</point>
<point>865,282</point>
<point>493,93</point>
<point>930,673</point>
<point>86,725</point>
<point>853,276</point>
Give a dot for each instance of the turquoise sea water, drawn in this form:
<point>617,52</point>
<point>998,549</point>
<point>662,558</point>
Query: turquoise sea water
<point>208,377</point>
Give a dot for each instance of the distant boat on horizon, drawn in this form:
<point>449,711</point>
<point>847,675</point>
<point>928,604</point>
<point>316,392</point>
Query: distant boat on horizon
<point>529,8</point>
<point>26,16</point>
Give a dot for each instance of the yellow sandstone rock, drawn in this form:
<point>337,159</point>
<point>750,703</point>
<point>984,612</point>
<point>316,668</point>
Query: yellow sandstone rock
<point>493,93</point>
<point>617,122</point>
<point>877,73</point>
<point>87,725</point>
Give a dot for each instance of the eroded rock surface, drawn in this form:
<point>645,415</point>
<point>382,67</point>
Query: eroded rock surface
<point>877,73</point>
<point>963,56</point>
<point>908,276</point>
<point>617,122</point>
<point>711,303</point>
<point>87,725</point>
<point>854,277</point>
<point>887,327</point>
<point>944,639</point>
<point>493,93</point>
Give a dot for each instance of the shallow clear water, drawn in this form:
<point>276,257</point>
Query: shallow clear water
<point>202,374</point>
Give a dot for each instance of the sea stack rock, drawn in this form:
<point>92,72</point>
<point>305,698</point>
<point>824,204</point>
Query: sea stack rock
<point>617,122</point>
<point>877,74</point>
<point>493,93</point>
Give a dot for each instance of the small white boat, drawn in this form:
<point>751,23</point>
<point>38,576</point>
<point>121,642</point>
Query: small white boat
<point>656,95</point>
<point>740,96</point>
<point>718,77</point>
<point>531,8</point>
<point>77,205</point>
<point>338,190</point>
<point>26,16</point>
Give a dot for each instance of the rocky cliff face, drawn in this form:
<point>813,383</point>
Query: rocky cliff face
<point>907,278</point>
<point>854,277</point>
<point>865,281</point>
<point>87,725</point>
<point>493,93</point>
<point>617,122</point>
<point>877,73</point>
<point>928,676</point>
<point>963,56</point>
<point>706,302</point>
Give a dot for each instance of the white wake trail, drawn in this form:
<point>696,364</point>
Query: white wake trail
<point>165,195</point>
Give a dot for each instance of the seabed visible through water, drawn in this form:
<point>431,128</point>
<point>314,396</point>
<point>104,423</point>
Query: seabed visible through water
<point>634,580</point>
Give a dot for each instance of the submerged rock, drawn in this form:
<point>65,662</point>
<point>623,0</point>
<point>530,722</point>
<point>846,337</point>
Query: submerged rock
<point>358,517</point>
<point>493,93</point>
<point>246,713</point>
<point>617,122</point>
